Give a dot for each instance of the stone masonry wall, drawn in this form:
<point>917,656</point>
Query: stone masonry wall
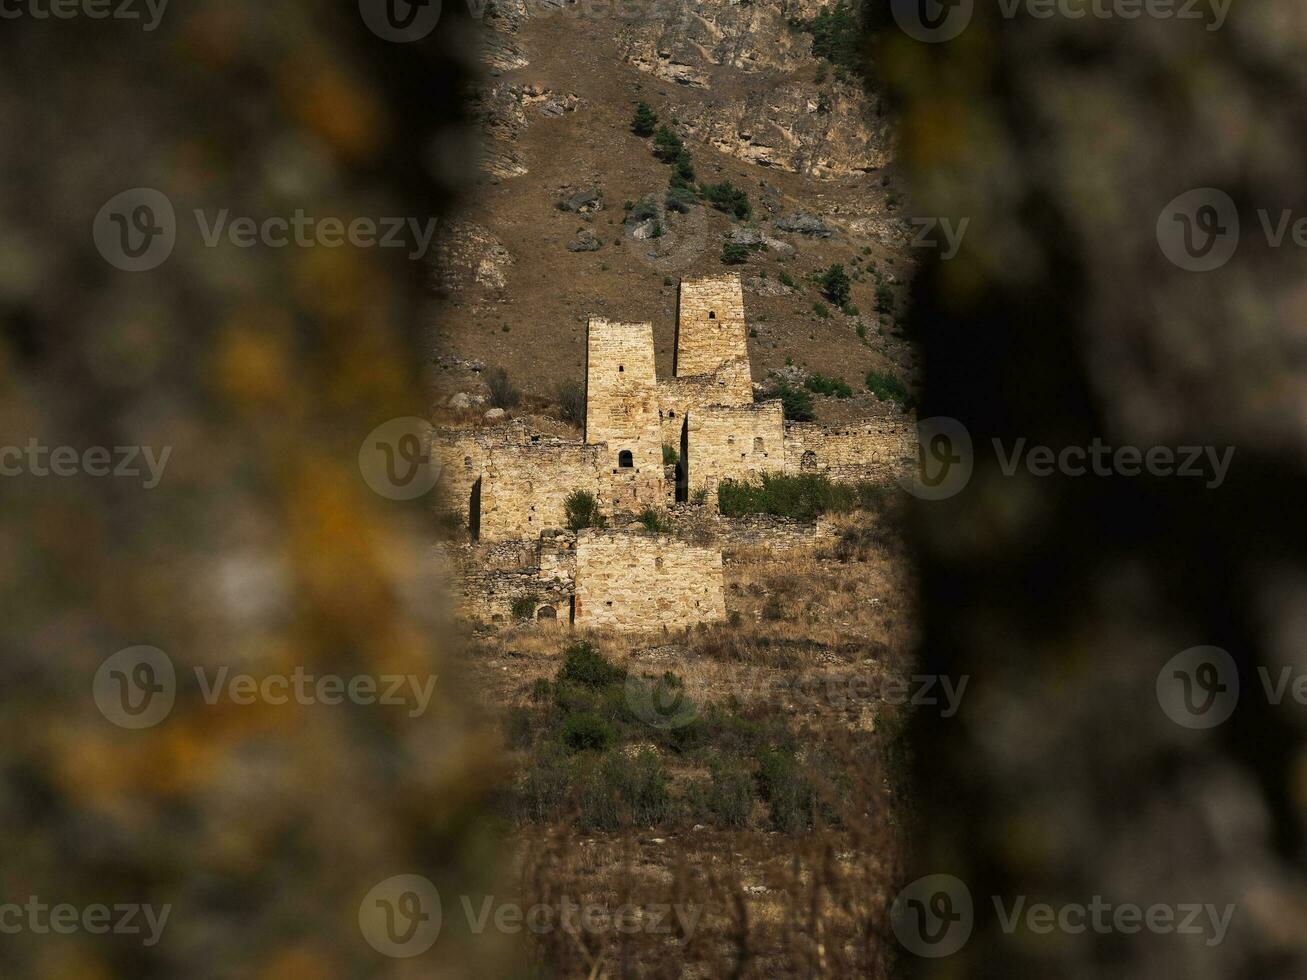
<point>632,581</point>
<point>678,397</point>
<point>621,409</point>
<point>710,328</point>
<point>493,575</point>
<point>462,454</point>
<point>523,488</point>
<point>734,443</point>
<point>880,450</point>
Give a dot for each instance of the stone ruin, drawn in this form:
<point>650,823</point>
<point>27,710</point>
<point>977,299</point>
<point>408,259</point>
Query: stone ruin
<point>509,484</point>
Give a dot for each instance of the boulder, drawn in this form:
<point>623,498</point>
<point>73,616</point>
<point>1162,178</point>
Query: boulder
<point>495,415</point>
<point>804,224</point>
<point>460,401</point>
<point>582,202</point>
<point>587,241</point>
<point>645,229</point>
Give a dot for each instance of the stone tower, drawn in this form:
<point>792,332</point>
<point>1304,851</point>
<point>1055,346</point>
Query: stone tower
<point>621,410</point>
<point>710,328</point>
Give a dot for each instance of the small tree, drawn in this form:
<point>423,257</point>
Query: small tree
<point>795,402</point>
<point>645,120</point>
<point>667,145</point>
<point>502,392</point>
<point>582,510</point>
<point>835,285</point>
<point>733,254</point>
<point>571,402</point>
<point>884,298</point>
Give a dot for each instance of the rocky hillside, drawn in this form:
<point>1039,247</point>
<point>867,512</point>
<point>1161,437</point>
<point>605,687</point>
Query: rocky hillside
<point>571,216</point>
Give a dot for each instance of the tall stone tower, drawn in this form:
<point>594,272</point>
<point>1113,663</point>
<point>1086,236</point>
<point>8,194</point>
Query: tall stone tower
<point>621,409</point>
<point>710,328</point>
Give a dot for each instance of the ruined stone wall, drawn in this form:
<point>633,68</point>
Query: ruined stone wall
<point>621,409</point>
<point>462,454</point>
<point>493,575</point>
<point>632,581</point>
<point>879,450</point>
<point>710,329</point>
<point>703,525</point>
<point>523,488</point>
<point>733,442</point>
<point>731,384</point>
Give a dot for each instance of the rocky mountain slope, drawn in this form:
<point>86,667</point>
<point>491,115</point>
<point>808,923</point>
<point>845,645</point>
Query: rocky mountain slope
<point>570,217</point>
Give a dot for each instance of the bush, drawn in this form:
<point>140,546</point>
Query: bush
<point>733,254</point>
<point>667,145</point>
<point>502,392</point>
<point>641,786</point>
<point>571,402</point>
<point>836,36</point>
<point>795,402</point>
<point>583,665</point>
<point>518,728</point>
<point>524,606</point>
<point>884,298</point>
<point>582,511</point>
<point>644,121</point>
<point>730,796</point>
<point>656,521</point>
<point>888,388</point>
<point>789,795</point>
<point>544,790</point>
<point>728,198</point>
<point>643,211</point>
<point>586,732</point>
<point>861,330</point>
<point>835,285</point>
<point>683,169</point>
<point>822,385</point>
<point>670,455</point>
<point>680,199</point>
<point>787,279</point>
<point>821,310</point>
<point>804,496</point>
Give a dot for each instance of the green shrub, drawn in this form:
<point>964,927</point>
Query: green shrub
<point>821,310</point>
<point>789,795</point>
<point>822,385</point>
<point>571,402</point>
<point>803,496</point>
<point>545,788</point>
<point>641,785</point>
<point>730,796</point>
<point>644,121</point>
<point>888,388</point>
<point>683,168</point>
<point>835,285</point>
<point>787,279</point>
<point>667,145</point>
<point>542,690</point>
<point>823,103</point>
<point>699,497</point>
<point>524,606</point>
<point>644,210</point>
<point>680,199</point>
<point>861,330</point>
<point>796,403</point>
<point>582,510</point>
<point>668,281</point>
<point>822,69</point>
<point>837,37</point>
<point>584,665</point>
<point>728,198</point>
<point>733,254</point>
<point>502,392</point>
<point>655,521</point>
<point>670,455</point>
<point>848,309</point>
<point>518,728</point>
<point>585,731</point>
<point>884,298</point>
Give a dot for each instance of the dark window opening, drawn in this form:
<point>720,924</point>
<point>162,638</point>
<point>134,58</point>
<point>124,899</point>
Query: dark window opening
<point>621,368</point>
<point>625,460</point>
<point>712,315</point>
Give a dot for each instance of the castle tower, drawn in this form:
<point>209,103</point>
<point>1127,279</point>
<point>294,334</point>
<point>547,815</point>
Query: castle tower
<point>710,328</point>
<point>621,410</point>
